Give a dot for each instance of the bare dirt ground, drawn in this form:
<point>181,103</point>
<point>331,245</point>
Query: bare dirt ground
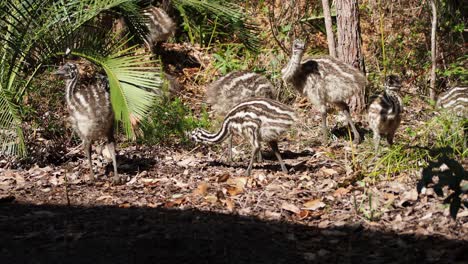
<point>188,205</point>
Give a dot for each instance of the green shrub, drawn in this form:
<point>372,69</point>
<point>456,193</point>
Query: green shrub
<point>168,121</point>
<point>443,134</point>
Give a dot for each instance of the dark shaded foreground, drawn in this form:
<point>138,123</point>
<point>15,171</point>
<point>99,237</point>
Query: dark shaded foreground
<point>60,234</point>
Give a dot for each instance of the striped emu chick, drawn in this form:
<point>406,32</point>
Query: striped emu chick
<point>455,100</point>
<point>258,120</point>
<point>234,87</point>
<point>90,112</point>
<point>160,25</point>
<point>385,111</point>
<point>325,81</point>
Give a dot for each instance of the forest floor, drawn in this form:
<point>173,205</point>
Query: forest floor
<point>188,205</point>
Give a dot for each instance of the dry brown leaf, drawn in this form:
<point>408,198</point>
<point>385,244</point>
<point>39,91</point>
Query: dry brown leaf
<point>229,204</point>
<point>409,196</point>
<point>174,202</point>
<point>234,190</point>
<point>303,214</point>
<point>290,207</point>
<point>124,205</point>
<point>220,195</point>
<point>211,199</point>
<point>240,182</point>
<point>328,171</point>
<point>104,197</point>
<point>187,162</point>
<point>53,180</point>
<point>132,180</point>
<point>272,215</point>
<point>223,178</point>
<point>19,180</point>
<point>201,190</point>
<point>8,174</point>
<point>389,196</point>
<point>149,182</point>
<point>340,192</point>
<point>236,185</point>
<point>463,213</point>
<point>313,205</point>
<point>324,224</point>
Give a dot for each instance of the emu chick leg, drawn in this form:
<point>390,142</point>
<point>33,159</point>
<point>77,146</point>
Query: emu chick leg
<point>230,149</point>
<point>111,147</point>
<point>376,141</point>
<point>87,149</point>
<point>254,141</point>
<point>274,147</point>
<point>345,109</point>
<point>324,125</point>
<point>259,157</point>
<point>255,150</point>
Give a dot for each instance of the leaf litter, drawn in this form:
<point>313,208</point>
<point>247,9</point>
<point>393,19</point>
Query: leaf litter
<point>320,191</point>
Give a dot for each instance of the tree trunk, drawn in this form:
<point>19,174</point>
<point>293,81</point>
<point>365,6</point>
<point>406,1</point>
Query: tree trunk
<point>349,44</point>
<point>329,28</point>
<point>432,92</point>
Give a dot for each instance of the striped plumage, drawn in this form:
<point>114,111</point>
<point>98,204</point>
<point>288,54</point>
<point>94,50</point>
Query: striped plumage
<point>325,81</point>
<point>455,100</point>
<point>160,25</point>
<point>258,120</point>
<point>90,111</point>
<point>384,114</point>
<point>234,87</point>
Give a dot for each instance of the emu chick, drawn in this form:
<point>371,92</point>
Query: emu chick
<point>325,81</point>
<point>385,111</point>
<point>455,100</point>
<point>232,88</point>
<point>90,111</point>
<point>258,120</point>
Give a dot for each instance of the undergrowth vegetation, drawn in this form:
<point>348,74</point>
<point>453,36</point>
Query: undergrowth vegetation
<point>233,39</point>
<point>169,119</point>
<point>441,135</point>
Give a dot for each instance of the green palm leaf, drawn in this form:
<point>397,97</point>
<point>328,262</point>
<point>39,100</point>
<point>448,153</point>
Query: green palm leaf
<point>231,20</point>
<point>134,82</point>
<point>34,31</point>
<point>11,134</point>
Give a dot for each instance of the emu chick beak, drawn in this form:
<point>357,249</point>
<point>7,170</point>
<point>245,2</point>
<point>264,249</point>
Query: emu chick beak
<point>59,72</point>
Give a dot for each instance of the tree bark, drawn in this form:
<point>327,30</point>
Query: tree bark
<point>329,28</point>
<point>432,92</point>
<point>349,44</point>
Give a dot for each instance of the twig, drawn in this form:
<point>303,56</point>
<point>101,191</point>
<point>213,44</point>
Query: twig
<point>195,148</point>
<point>74,150</point>
<point>66,185</point>
<point>271,15</point>
<point>258,200</point>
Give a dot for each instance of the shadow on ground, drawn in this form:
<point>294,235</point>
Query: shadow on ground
<point>61,234</point>
<point>445,171</point>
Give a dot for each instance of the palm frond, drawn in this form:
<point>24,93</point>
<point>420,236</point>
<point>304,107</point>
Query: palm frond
<point>11,134</point>
<point>134,19</point>
<point>134,80</point>
<point>33,31</point>
<point>230,20</point>
<point>134,84</point>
